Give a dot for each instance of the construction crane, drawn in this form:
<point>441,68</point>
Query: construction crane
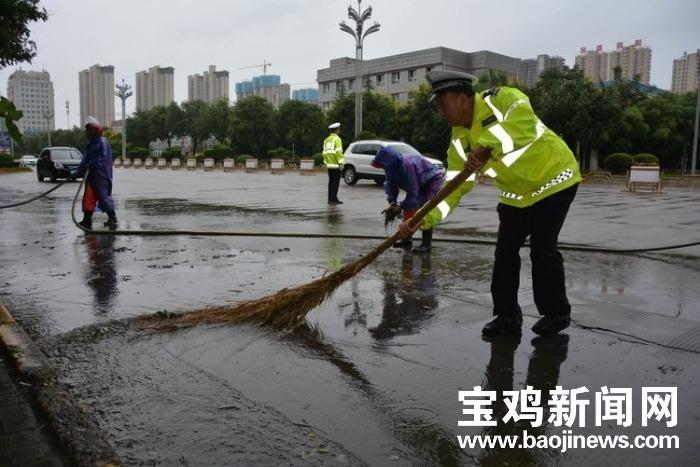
<point>263,66</point>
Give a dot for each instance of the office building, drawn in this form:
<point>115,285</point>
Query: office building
<point>686,73</point>
<point>32,93</point>
<point>154,87</point>
<point>211,86</point>
<point>309,95</point>
<point>269,87</point>
<point>634,62</point>
<point>532,68</point>
<point>97,94</point>
<point>397,75</point>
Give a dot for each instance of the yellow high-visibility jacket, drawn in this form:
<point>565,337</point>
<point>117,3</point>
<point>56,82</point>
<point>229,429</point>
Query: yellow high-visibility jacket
<point>529,162</point>
<point>333,152</point>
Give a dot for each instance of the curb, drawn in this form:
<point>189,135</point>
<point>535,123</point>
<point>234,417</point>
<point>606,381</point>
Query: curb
<point>75,428</point>
<point>29,360</point>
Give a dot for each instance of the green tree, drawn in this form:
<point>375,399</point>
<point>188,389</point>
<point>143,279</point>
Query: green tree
<point>75,137</point>
<point>575,109</point>
<point>158,125</point>
<point>15,16</point>
<point>343,112</point>
<point>196,122</point>
<point>378,114</point>
<point>251,126</point>
<point>421,126</point>
<point>174,121</point>
<point>138,129</point>
<point>670,119</point>
<point>30,144</point>
<point>16,47</point>
<point>491,78</point>
<point>219,120</point>
<point>300,125</point>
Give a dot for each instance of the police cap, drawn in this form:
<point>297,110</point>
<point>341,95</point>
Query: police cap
<point>446,80</point>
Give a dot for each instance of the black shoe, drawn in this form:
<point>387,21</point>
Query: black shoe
<point>501,325</point>
<point>405,243</point>
<point>550,325</point>
<point>422,248</point>
<point>86,224</point>
<point>335,202</point>
<point>426,242</point>
<point>111,222</point>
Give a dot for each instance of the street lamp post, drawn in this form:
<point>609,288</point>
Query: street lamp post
<point>695,134</point>
<point>68,115</point>
<point>48,115</point>
<point>359,17</point>
<point>123,93</point>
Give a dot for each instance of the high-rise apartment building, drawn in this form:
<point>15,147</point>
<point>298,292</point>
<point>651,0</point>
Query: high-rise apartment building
<point>97,94</point>
<point>211,86</point>
<point>686,73</point>
<point>269,87</point>
<point>633,60</point>
<point>154,87</point>
<point>397,75</point>
<point>32,93</point>
<point>532,68</point>
<point>309,95</point>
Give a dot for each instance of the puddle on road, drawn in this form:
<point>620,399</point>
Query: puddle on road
<point>373,378</point>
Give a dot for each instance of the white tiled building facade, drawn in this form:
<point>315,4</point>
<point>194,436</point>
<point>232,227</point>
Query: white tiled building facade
<point>532,68</point>
<point>97,94</point>
<point>634,60</point>
<point>211,86</point>
<point>32,93</point>
<point>154,87</point>
<point>686,73</point>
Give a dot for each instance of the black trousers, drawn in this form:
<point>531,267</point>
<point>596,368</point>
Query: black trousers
<point>542,222</point>
<point>333,184</point>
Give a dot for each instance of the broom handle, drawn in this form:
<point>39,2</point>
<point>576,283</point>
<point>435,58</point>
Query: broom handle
<point>444,192</point>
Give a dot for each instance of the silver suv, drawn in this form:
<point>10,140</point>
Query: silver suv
<point>359,156</point>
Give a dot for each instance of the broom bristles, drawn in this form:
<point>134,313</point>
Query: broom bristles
<point>285,309</point>
<point>288,307</point>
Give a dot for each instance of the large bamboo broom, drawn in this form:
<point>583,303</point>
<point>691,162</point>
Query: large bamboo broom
<point>288,307</point>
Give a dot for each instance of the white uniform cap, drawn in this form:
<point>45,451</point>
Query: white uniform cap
<point>333,126</point>
<point>92,121</point>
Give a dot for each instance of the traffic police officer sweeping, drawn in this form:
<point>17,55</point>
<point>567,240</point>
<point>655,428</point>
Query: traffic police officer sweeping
<point>497,133</point>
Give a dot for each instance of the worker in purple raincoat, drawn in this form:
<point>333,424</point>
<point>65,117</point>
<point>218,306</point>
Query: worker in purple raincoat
<point>418,177</point>
<point>98,184</point>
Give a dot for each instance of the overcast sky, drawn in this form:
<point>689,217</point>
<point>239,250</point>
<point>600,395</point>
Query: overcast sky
<point>300,36</point>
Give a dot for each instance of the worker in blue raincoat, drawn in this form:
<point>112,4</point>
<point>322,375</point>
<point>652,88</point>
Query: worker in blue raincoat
<point>418,177</point>
<point>98,184</point>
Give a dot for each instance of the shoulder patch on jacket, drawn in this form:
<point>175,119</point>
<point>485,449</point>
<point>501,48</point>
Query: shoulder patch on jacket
<point>492,91</point>
<point>488,121</point>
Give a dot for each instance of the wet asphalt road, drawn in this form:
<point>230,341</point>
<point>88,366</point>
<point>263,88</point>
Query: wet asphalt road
<point>374,376</point>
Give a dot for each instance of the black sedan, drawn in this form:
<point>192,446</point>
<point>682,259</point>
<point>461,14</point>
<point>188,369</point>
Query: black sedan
<point>57,162</point>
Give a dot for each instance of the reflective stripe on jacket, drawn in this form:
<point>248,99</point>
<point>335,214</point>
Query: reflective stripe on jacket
<point>333,151</point>
<point>528,160</point>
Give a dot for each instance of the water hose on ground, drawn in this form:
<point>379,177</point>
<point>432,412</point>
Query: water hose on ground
<point>228,233</point>
<point>14,205</point>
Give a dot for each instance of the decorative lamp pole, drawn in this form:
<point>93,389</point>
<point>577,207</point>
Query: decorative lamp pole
<point>695,133</point>
<point>359,17</point>
<point>48,115</point>
<point>123,93</point>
